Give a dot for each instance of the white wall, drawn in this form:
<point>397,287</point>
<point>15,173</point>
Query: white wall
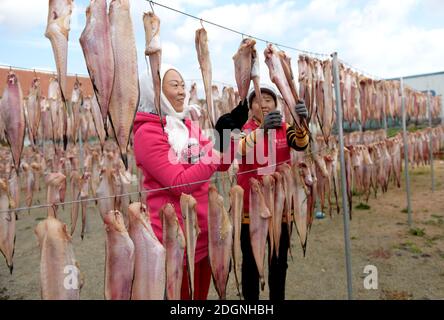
<point>432,81</point>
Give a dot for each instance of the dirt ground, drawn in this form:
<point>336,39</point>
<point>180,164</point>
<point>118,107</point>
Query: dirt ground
<point>409,261</point>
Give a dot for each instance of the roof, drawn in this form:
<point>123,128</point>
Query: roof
<point>25,77</point>
<point>420,75</point>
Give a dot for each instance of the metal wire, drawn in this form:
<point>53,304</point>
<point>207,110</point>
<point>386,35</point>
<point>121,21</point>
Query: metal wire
<point>306,155</point>
<point>242,34</point>
<point>43,71</point>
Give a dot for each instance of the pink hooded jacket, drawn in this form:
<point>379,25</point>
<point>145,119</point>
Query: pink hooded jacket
<point>151,150</point>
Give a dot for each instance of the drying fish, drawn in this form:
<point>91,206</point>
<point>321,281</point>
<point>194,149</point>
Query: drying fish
<point>125,93</point>
<point>255,76</point>
<point>57,31</point>
<point>288,185</point>
<point>300,173</point>
<point>279,202</point>
<point>236,207</point>
<point>7,225</point>
<point>54,98</point>
<point>33,109</point>
<point>189,215</point>
<point>174,242</point>
<point>107,188</point>
<point>123,187</point>
<point>328,112</point>
<point>95,41</point>
<point>14,188</point>
<point>203,56</point>
<point>97,120</point>
<point>11,110</point>
<point>149,268</point>
<point>243,66</point>
<point>259,221</point>
<point>83,194</point>
<point>278,77</point>
<point>268,184</point>
<point>29,177</point>
<point>119,263</point>
<point>220,241</point>
<point>95,172</point>
<point>76,102</point>
<point>286,66</point>
<point>323,178</point>
<point>153,50</point>
<point>57,262</point>
<point>54,182</point>
<point>75,177</point>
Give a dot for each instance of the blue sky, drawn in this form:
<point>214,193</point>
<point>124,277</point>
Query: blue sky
<point>384,38</point>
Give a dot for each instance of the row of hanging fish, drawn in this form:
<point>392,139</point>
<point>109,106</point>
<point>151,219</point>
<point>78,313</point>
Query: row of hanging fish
<point>109,47</point>
<point>101,174</point>
<point>370,167</point>
<point>363,99</point>
<point>316,90</point>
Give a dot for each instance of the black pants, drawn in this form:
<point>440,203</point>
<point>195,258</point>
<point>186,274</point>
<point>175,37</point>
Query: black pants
<point>277,269</point>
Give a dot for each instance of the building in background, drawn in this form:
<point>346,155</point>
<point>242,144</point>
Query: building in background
<point>429,81</point>
<point>25,77</point>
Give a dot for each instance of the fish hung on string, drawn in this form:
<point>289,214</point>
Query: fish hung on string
<point>203,56</point>
<point>282,76</point>
<point>153,50</point>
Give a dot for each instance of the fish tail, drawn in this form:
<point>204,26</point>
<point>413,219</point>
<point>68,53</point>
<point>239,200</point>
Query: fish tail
<point>125,160</point>
<point>262,283</point>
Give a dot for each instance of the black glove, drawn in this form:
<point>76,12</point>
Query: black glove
<point>233,120</point>
<point>272,120</point>
<point>301,109</point>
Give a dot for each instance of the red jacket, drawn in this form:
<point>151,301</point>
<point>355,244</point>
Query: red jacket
<point>280,149</point>
<point>151,149</point>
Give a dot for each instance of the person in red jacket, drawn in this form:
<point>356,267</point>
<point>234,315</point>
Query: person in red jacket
<point>265,129</point>
<point>178,159</point>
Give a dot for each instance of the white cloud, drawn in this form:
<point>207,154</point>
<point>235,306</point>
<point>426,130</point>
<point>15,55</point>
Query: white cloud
<point>171,52</point>
<point>379,36</point>
<point>382,40</point>
<point>23,15</point>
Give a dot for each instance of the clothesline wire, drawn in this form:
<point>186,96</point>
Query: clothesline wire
<point>51,72</point>
<point>222,27</point>
<point>243,34</point>
<point>306,154</point>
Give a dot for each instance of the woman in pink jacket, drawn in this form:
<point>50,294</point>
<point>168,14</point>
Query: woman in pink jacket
<point>178,157</point>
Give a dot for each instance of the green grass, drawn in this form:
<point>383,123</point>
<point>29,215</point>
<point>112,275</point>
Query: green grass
<point>437,216</point>
<point>430,243</point>
<point>419,173</point>
<point>409,246</point>
<point>418,232</point>
<point>362,206</point>
<point>39,218</point>
<point>391,132</point>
